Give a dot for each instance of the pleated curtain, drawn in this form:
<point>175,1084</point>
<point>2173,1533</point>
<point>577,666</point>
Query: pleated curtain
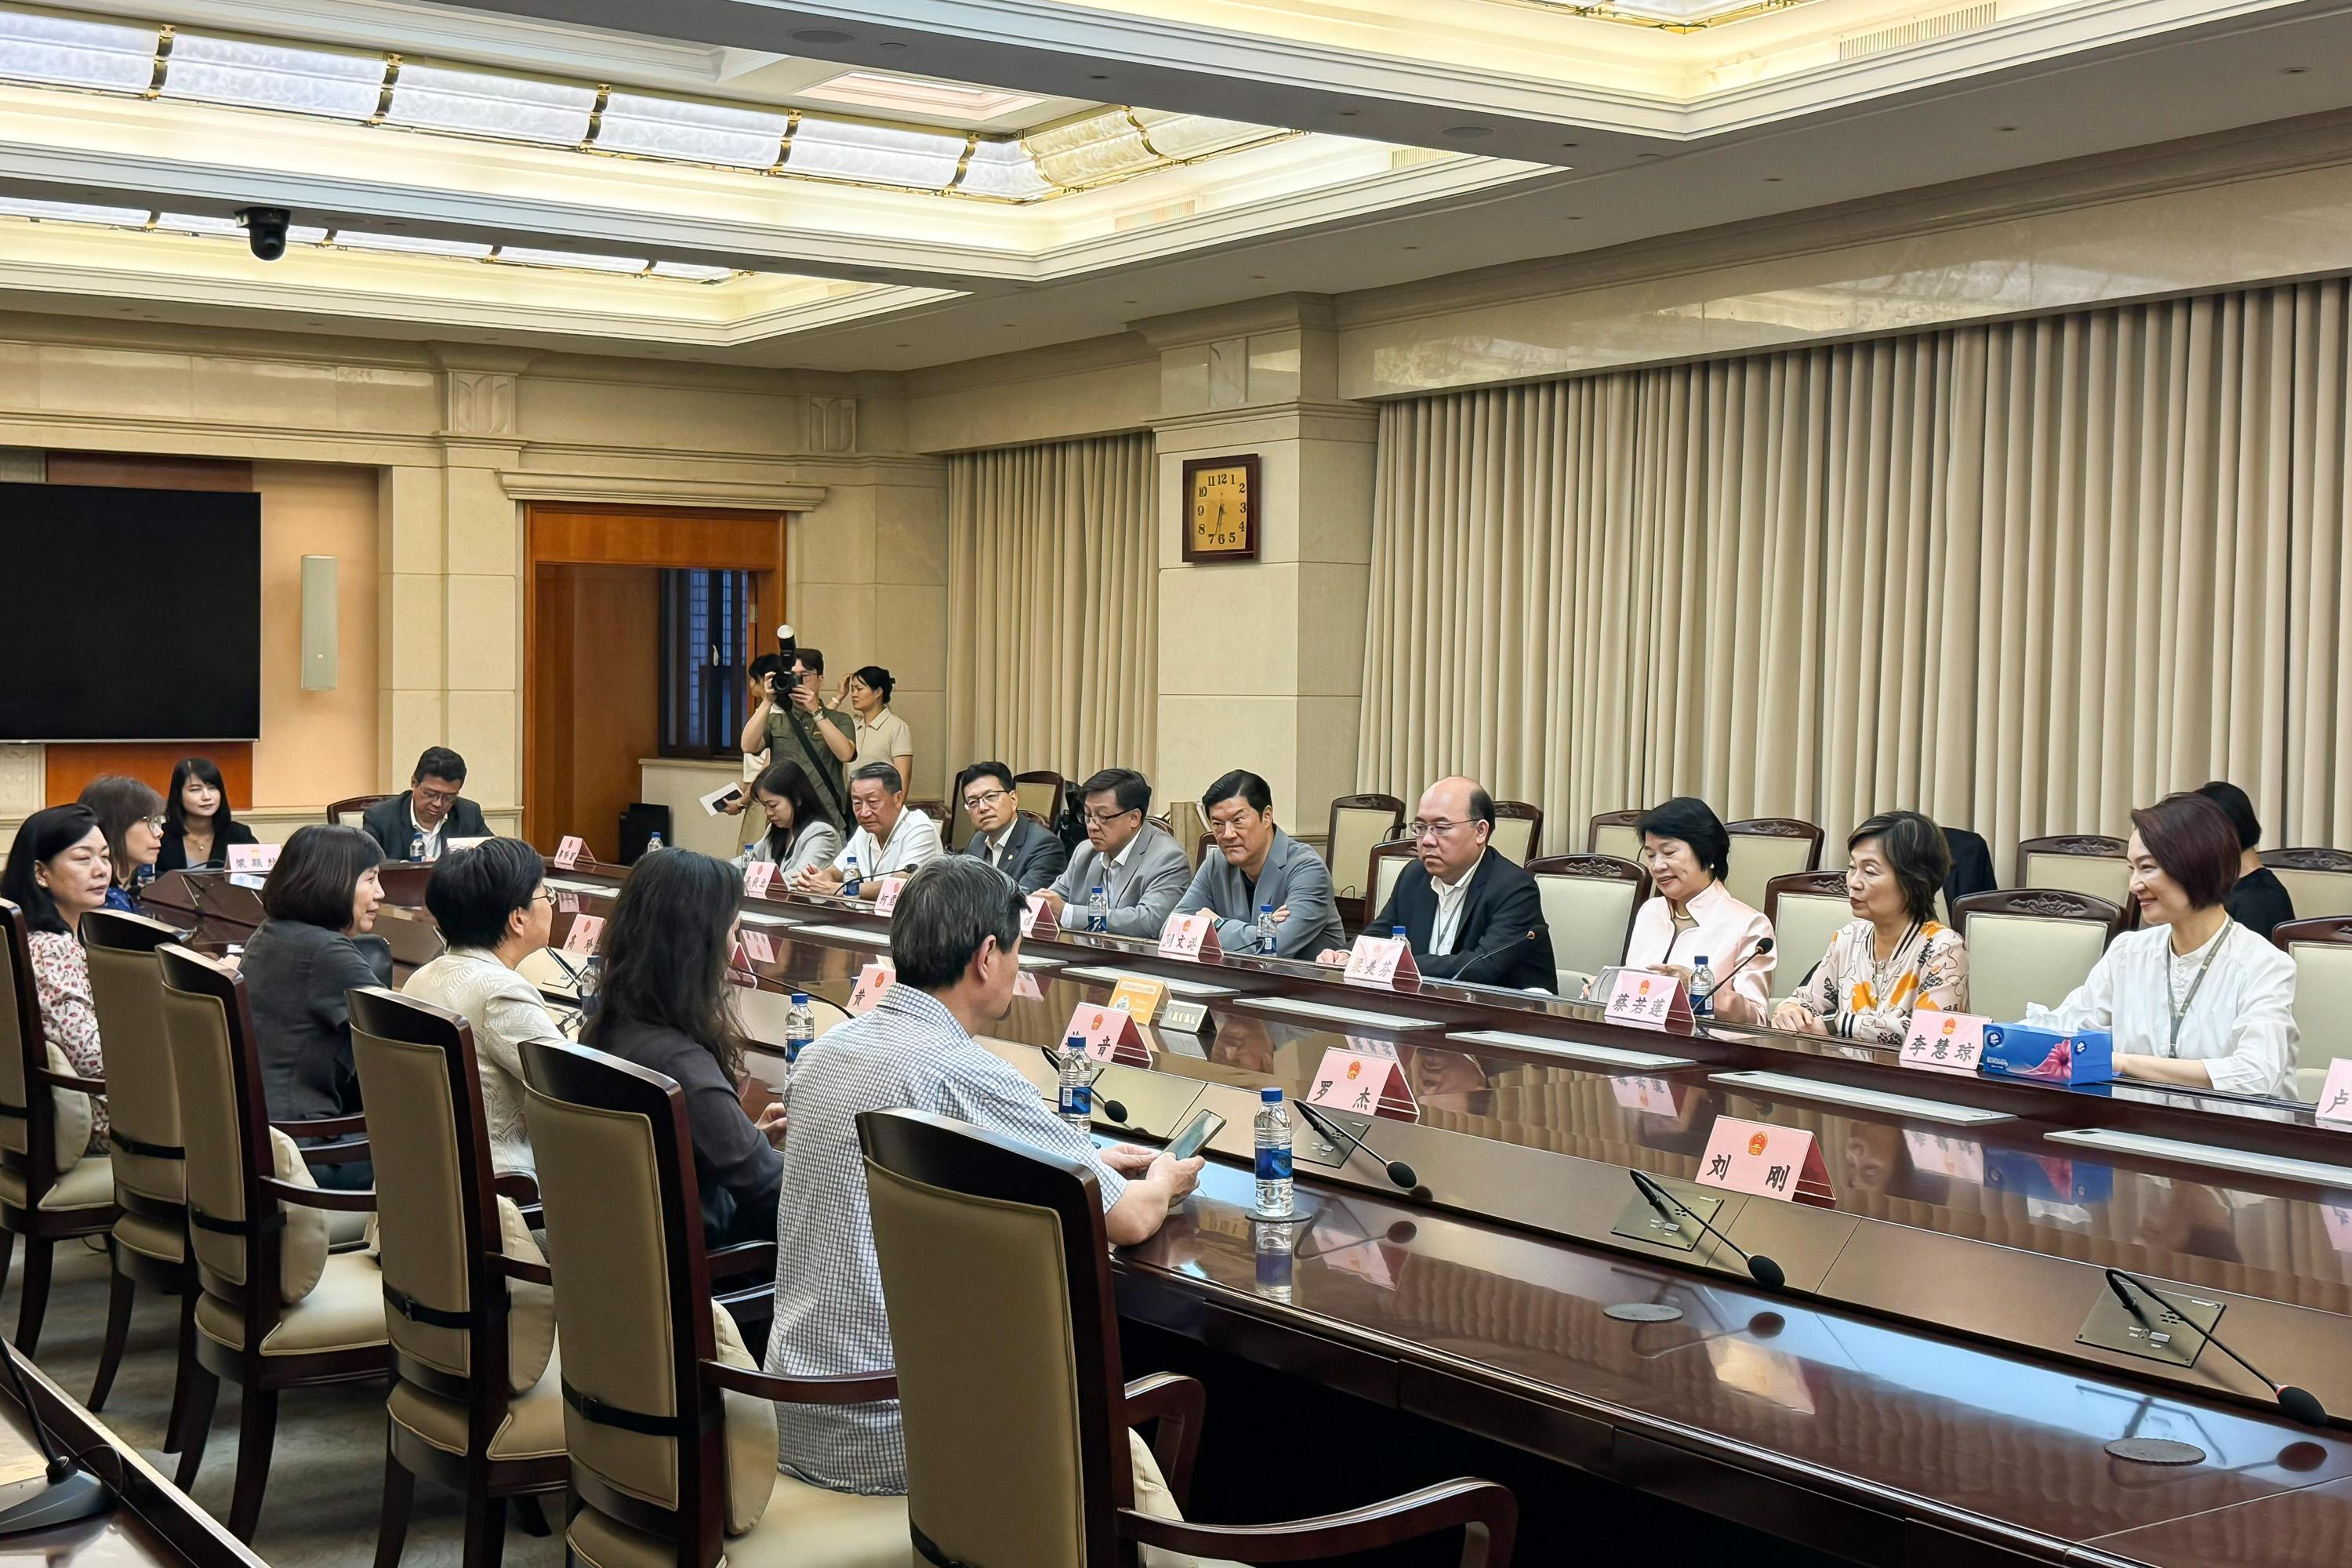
<point>2020,576</point>
<point>1054,605</point>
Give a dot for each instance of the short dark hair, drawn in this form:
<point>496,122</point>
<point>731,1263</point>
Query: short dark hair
<point>317,874</point>
<point>473,891</point>
<point>889,776</point>
<point>1914,851</point>
<point>175,812</point>
<point>787,779</point>
<point>2193,840</point>
<point>1248,785</point>
<point>44,836</point>
<point>1693,821</point>
<point>984,771</point>
<point>812,657</point>
<point>439,762</point>
<point>1482,806</point>
<point>118,801</point>
<point>1132,789</point>
<point>875,677</point>
<point>949,907</point>
<point>665,952</point>
<point>2238,807</point>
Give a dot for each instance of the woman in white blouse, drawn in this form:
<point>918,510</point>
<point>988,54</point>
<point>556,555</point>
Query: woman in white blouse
<point>2194,998</point>
<point>494,909</point>
<point>800,837</point>
<point>1695,916</point>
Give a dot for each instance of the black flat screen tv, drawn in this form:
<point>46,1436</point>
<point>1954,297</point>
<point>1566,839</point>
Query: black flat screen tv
<point>132,615</point>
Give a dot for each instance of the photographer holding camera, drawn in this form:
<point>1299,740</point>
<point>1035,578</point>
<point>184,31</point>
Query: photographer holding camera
<point>793,724</point>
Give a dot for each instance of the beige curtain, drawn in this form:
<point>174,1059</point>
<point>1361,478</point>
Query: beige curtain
<point>1054,606</point>
<point>2021,577</point>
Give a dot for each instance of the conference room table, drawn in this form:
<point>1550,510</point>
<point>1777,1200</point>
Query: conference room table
<point>1948,1374</point>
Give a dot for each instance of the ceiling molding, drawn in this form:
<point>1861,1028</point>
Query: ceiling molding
<point>608,489</point>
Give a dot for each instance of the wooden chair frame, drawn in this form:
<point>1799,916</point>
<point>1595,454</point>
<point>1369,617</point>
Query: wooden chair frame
<point>1522,811</point>
<point>357,802</point>
<point>2090,846</point>
<point>486,1483</point>
<point>1600,819</point>
<point>1824,882</point>
<point>581,1074</point>
<point>1394,849</point>
<point>1604,867</point>
<point>261,1378</point>
<point>938,1151</point>
<point>1781,828</point>
<point>1361,904</point>
<point>41,1228</point>
<point>2048,903</point>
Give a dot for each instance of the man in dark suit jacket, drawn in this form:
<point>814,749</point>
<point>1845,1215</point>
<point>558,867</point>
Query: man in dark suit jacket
<point>1468,912</point>
<point>432,810</point>
<point>1032,855</point>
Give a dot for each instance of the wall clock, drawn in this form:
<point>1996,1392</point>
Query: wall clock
<point>1221,508</point>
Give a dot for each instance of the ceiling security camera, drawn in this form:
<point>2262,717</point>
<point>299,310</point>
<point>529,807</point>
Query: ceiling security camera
<point>265,231</point>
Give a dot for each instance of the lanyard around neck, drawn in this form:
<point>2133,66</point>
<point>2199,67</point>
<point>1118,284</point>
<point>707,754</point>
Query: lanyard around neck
<point>2180,1008</point>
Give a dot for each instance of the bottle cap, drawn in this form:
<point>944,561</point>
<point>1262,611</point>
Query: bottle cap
<point>1266,909</point>
<point>1397,932</point>
<point>1270,1096</point>
<point>1702,960</point>
<point>1078,1043</point>
<point>800,998</point>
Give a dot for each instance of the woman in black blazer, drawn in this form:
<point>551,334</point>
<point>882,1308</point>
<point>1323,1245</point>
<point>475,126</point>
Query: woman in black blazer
<point>197,827</point>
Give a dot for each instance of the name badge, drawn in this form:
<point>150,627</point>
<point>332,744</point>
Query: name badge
<point>1944,1042</point>
<point>2335,1094</point>
<point>582,937</point>
<point>252,856</point>
<point>1361,1084</point>
<point>1041,922</point>
<point>1765,1162</point>
<point>569,850</point>
<point>758,948</point>
<point>1139,997</point>
<point>1645,1000</point>
<point>1381,960</point>
<point>1110,1034</point>
<point>872,980</point>
<point>885,894</point>
<point>567,902</point>
<point>757,877</point>
<point>1191,937</point>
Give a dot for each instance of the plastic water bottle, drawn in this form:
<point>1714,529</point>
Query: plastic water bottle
<point>1702,990</point>
<point>1398,932</point>
<point>592,980</point>
<point>1273,1155</point>
<point>417,847</point>
<point>652,843</point>
<point>141,879</point>
<point>1276,1245</point>
<point>1265,937</point>
<point>850,880</point>
<point>1077,1103</point>
<point>800,1027</point>
<point>1098,912</point>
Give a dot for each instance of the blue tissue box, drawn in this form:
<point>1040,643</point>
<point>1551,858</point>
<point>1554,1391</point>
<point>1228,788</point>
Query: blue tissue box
<point>2049,1055</point>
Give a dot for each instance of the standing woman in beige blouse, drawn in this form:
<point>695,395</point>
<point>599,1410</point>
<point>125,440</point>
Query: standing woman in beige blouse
<point>882,735</point>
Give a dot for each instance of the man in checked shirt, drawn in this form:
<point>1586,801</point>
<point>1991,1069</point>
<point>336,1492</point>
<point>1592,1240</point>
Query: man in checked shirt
<point>955,940</point>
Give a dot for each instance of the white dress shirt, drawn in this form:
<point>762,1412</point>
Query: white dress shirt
<point>1452,898</point>
<point>2240,1024</point>
<point>1728,930</point>
<point>914,839</point>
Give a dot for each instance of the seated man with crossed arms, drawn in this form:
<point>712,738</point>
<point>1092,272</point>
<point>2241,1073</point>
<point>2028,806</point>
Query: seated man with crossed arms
<point>1139,868</point>
<point>1468,912</point>
<point>1032,855</point>
<point>890,839</point>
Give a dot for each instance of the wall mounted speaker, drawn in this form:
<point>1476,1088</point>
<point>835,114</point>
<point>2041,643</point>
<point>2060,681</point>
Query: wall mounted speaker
<point>317,623</point>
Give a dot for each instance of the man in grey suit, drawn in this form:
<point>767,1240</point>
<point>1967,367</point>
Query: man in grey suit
<point>1257,866</point>
<point>1139,868</point>
<point>1032,855</point>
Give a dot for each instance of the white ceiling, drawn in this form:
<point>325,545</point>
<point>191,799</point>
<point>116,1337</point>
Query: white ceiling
<point>1745,142</point>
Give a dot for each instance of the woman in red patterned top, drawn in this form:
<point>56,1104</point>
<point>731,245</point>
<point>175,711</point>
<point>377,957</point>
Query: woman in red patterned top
<point>59,870</point>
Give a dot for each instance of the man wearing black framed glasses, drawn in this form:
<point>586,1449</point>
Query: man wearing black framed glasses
<point>1032,855</point>
<point>1468,913</point>
<point>1139,868</point>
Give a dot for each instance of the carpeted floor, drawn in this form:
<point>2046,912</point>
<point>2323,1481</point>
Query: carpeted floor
<point>326,1485</point>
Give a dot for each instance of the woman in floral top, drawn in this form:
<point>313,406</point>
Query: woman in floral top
<point>59,870</point>
<point>1896,957</point>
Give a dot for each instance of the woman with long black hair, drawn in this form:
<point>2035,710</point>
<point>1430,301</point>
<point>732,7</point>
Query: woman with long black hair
<point>198,827</point>
<point>663,1003</point>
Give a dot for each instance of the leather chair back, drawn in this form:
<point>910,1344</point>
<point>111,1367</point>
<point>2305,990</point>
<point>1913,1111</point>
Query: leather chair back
<point>1806,909</point>
<point>1613,832</point>
<point>2090,864</point>
<point>47,1129</point>
<point>142,1096</point>
<point>1388,861</point>
<point>2318,882</point>
<point>1518,831</point>
<point>1764,847</point>
<point>1589,902</point>
<point>347,813</point>
<point>2322,951</point>
<point>1040,793</point>
<point>2031,945</point>
<point>992,1258</point>
<point>1357,823</point>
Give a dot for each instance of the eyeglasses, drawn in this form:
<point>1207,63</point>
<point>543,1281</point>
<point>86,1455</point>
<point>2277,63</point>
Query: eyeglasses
<point>441,797</point>
<point>975,802</point>
<point>544,896</point>
<point>155,822</point>
<point>1430,830</point>
<point>1105,818</point>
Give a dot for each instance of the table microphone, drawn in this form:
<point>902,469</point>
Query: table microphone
<point>70,1490</point>
<point>2296,1402</point>
<point>1762,947</point>
<point>1765,1272</point>
<point>1482,954</point>
<point>1402,1174</point>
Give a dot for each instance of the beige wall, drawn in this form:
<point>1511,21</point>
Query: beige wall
<point>316,746</point>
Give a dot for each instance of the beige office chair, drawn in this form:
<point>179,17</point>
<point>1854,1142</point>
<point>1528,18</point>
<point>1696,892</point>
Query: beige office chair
<point>1187,827</point>
<point>1613,832</point>
<point>2030,946</point>
<point>2322,951</point>
<point>1357,823</point>
<point>1388,861</point>
<point>1588,903</point>
<point>347,812</point>
<point>2318,882</point>
<point>1040,792</point>
<point>1763,848</point>
<point>666,1416</point>
<point>998,1281</point>
<point>1806,909</point>
<point>2085,863</point>
<point>1518,831</point>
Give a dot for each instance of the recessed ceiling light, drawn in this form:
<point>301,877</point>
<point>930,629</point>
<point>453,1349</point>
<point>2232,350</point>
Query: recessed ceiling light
<point>820,36</point>
<point>890,92</point>
<point>1411,247</point>
<point>1771,179</point>
<point>2004,128</point>
<point>1467,133</point>
<point>1575,217</point>
<point>1350,113</point>
<point>902,345</point>
<point>1568,143</point>
<point>2292,71</point>
<point>892,44</point>
<point>1098,76</point>
<point>1257,277</point>
<point>1649,157</point>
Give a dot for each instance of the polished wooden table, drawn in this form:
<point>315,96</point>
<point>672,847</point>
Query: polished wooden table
<point>1918,1396</point>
